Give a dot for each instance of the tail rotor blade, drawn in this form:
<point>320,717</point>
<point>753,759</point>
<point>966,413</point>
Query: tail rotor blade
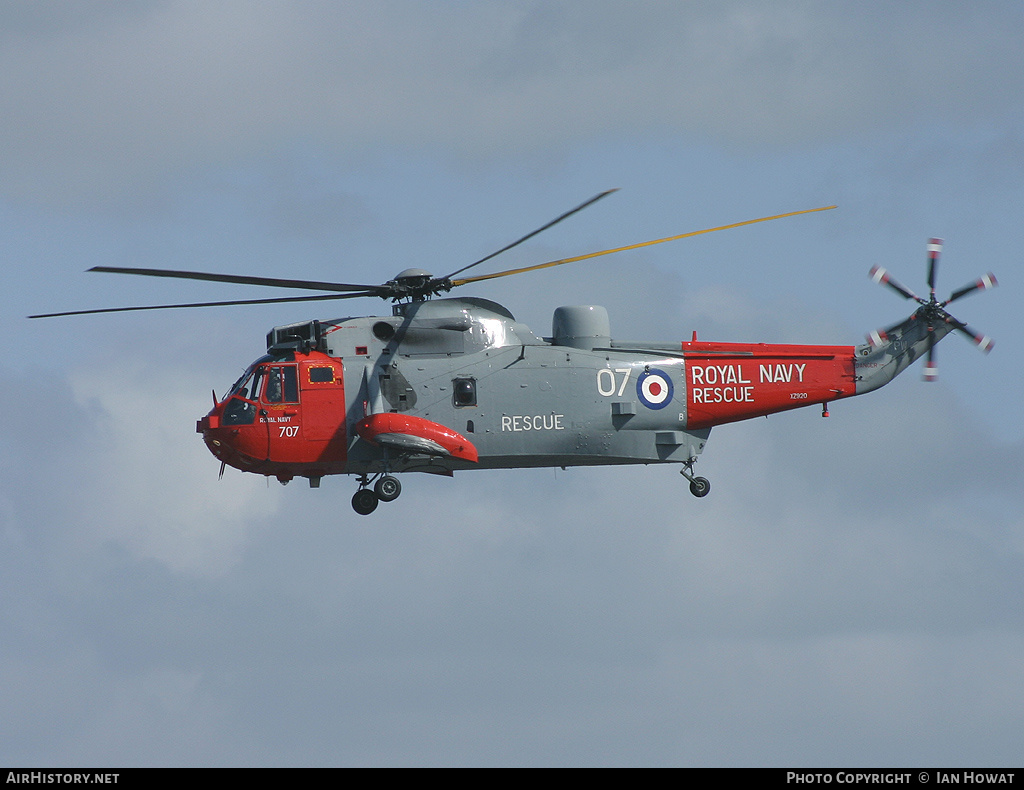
<point>880,275</point>
<point>934,250</point>
<point>981,284</point>
<point>880,337</point>
<point>982,341</point>
<point>931,371</point>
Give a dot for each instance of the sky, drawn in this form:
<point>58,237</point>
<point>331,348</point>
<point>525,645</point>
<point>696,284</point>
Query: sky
<point>848,594</point>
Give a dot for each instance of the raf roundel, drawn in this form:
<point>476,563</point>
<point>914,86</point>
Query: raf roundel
<point>654,388</point>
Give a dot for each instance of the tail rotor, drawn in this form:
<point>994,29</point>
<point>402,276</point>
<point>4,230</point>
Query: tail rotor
<point>931,310</point>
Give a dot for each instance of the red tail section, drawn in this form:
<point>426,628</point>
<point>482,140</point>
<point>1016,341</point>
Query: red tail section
<point>735,381</point>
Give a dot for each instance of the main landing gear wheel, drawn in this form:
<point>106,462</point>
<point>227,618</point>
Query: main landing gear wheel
<point>699,486</point>
<point>388,488</point>
<point>364,501</point>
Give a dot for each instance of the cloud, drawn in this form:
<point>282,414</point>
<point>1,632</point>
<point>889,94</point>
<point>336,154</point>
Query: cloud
<point>129,99</point>
<point>154,489</point>
<point>132,476</point>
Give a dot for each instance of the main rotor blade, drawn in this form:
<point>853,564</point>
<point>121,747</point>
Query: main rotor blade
<point>981,284</point>
<point>880,275</point>
<point>242,279</point>
<point>279,300</point>
<point>464,280</point>
<point>555,221</point>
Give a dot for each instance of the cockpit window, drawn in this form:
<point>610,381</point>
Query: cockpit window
<point>257,381</point>
<point>243,387</point>
<point>236,388</point>
<point>239,412</point>
<point>282,385</point>
<point>276,384</point>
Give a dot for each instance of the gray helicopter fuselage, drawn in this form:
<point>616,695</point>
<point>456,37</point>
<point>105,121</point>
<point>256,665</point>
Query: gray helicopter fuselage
<point>522,400</point>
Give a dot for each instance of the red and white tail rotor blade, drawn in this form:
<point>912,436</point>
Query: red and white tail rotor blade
<point>934,250</point>
<point>931,370</point>
<point>880,275</point>
<point>877,338</point>
<point>981,284</point>
<point>880,337</point>
<point>982,341</point>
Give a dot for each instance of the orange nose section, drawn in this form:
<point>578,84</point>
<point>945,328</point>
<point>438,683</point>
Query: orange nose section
<point>236,445</point>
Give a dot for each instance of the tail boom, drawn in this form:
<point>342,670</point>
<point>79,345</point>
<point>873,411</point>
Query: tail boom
<point>727,382</point>
<point>888,353</point>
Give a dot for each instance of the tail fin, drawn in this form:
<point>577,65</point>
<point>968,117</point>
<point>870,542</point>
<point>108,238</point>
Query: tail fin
<point>889,352</point>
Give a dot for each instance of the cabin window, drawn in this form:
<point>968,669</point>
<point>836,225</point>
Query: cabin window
<point>321,375</point>
<point>464,392</point>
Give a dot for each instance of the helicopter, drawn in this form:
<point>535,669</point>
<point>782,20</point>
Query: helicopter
<point>446,384</point>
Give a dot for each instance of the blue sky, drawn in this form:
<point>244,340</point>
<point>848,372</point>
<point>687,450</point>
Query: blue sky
<point>849,592</point>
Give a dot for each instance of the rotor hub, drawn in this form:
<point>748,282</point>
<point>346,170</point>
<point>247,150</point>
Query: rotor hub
<point>415,284</point>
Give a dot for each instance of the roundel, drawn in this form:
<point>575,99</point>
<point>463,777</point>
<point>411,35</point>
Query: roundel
<point>654,388</point>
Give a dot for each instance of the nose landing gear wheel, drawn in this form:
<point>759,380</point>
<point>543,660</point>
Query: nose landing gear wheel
<point>700,486</point>
<point>388,488</point>
<point>364,501</point>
